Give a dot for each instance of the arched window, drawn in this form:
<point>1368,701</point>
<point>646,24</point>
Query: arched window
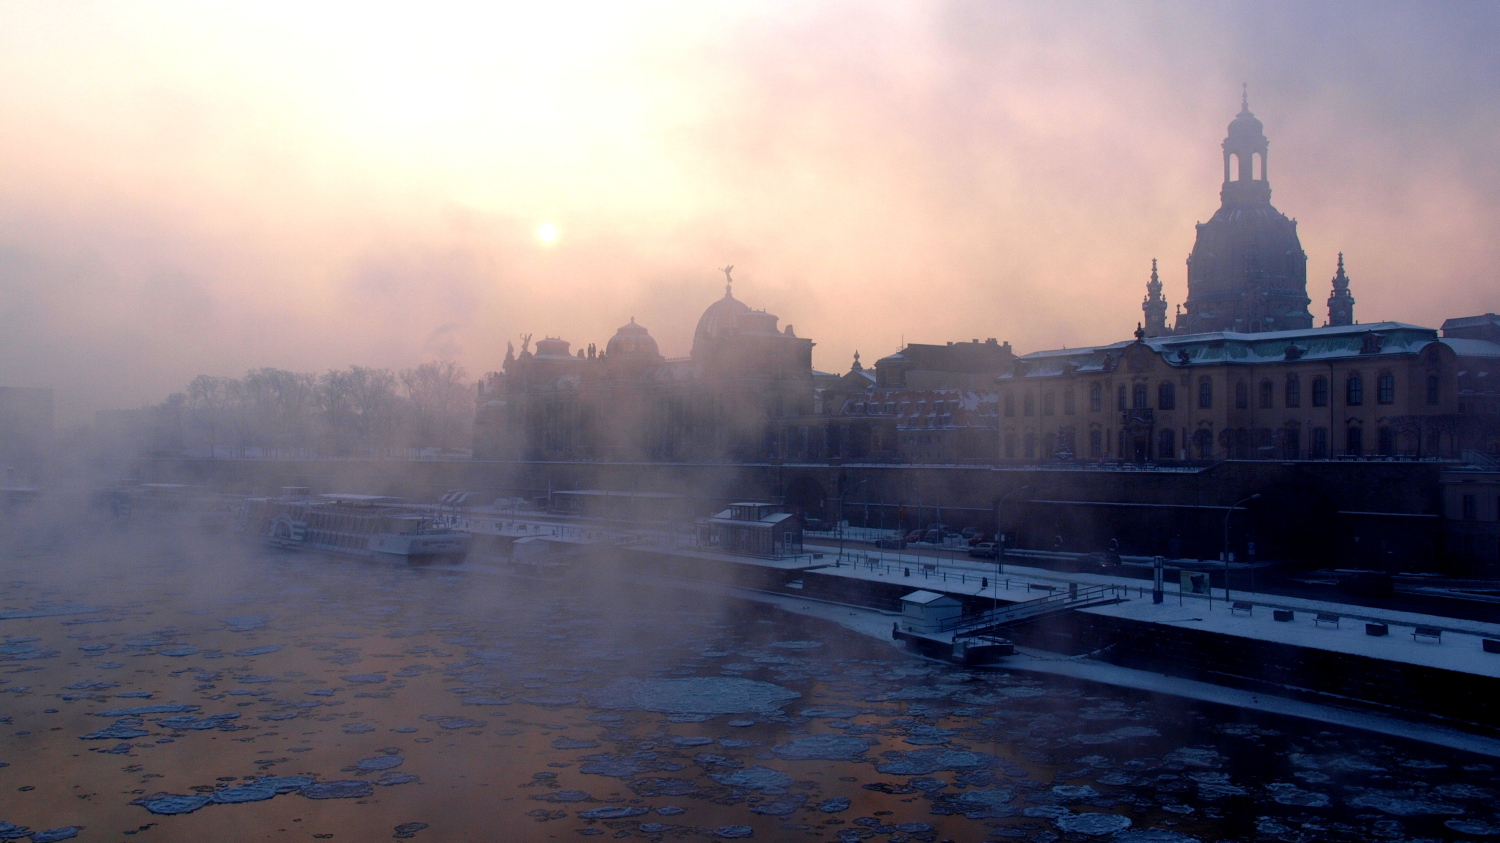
<point>1096,398</point>
<point>1068,401</point>
<point>1138,396</point>
<point>1242,396</point>
<point>1293,391</point>
<point>1319,443</point>
<point>1096,444</point>
<point>1432,389</point>
<point>1205,440</point>
<point>1120,396</point>
<point>1267,395</point>
<point>1166,396</point>
<point>1010,405</point>
<point>1029,400</point>
<point>1031,446</point>
<point>1354,391</point>
<point>1166,445</point>
<point>1291,443</point>
<point>1387,439</point>
<point>1205,394</point>
<point>1010,446</point>
<point>1385,390</point>
<point>1049,403</point>
<point>1354,441</point>
<point>1049,446</point>
<point>1320,392</point>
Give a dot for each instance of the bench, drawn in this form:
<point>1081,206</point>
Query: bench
<point>1377,629</point>
<point>1283,615</point>
<point>1038,587</point>
<point>1325,617</point>
<point>1241,607</point>
<point>1490,645</point>
<point>1427,632</point>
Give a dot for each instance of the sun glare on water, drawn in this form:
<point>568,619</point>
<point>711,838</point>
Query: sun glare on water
<point>546,232</point>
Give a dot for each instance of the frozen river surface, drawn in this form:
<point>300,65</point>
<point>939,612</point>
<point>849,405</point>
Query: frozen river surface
<point>157,691</point>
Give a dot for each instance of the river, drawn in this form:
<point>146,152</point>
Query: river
<point>166,689</point>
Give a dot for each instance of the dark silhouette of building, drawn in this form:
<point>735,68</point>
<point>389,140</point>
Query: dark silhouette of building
<point>1247,272</point>
<point>1340,301</point>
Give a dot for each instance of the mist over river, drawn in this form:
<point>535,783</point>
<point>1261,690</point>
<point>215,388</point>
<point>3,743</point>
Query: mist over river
<point>154,687</point>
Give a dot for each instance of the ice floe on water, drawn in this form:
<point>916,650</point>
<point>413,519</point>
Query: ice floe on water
<point>824,748</point>
<point>695,695</point>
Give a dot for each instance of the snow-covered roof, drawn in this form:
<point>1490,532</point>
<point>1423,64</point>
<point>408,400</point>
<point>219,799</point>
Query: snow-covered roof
<point>922,598</point>
<point>1231,347</point>
<point>1472,348</point>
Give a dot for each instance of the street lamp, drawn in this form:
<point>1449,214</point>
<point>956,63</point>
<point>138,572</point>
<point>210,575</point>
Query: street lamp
<point>1232,508</point>
<point>999,540</point>
<point>839,519</point>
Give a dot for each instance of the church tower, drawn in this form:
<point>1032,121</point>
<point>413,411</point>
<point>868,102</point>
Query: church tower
<point>1247,271</point>
<point>1341,302</point>
<point>1154,307</point>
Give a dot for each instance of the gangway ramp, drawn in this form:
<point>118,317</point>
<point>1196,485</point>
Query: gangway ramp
<point>966,626</point>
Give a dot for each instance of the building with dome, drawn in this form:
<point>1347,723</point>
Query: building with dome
<point>1243,373</point>
<point>726,401</point>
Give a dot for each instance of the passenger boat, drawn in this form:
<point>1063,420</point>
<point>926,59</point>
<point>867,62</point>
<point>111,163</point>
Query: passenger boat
<point>371,526</point>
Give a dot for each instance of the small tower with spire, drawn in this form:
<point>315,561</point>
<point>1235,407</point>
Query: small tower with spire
<point>1154,306</point>
<point>1341,302</point>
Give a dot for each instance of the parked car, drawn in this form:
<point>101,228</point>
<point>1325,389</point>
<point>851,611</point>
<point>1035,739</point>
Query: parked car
<point>894,541</point>
<point>985,550</point>
<point>816,525</point>
<point>914,536</point>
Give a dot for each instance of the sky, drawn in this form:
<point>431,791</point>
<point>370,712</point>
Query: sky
<point>204,188</point>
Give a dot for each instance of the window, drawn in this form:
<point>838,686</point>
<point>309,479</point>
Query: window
<point>1242,396</point>
<point>1293,391</point>
<point>1010,405</point>
<point>1010,446</point>
<point>1471,507</point>
<point>1120,396</point>
<point>1096,443</point>
<point>1096,398</point>
<point>1354,442</point>
<point>1138,396</point>
<point>1068,401</point>
<point>1031,446</point>
<point>1354,391</point>
<point>1291,443</point>
<point>1205,444</point>
<point>1205,394</point>
<point>1319,443</point>
<point>1166,445</point>
<point>1387,439</point>
<point>1385,389</point>
<point>1320,392</point>
<point>1030,402</point>
<point>1267,395</point>
<point>1166,396</point>
<point>1049,404</point>
<point>1432,389</point>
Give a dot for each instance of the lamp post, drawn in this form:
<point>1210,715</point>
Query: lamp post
<point>999,539</point>
<point>839,519</point>
<point>1232,508</point>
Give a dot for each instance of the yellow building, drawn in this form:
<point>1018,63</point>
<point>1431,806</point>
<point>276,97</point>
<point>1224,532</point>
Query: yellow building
<point>1382,389</point>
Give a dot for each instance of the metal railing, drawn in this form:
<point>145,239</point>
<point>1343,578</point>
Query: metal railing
<point>1067,601</point>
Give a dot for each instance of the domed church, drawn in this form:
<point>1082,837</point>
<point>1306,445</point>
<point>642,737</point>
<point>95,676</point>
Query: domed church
<point>725,401</point>
<point>1247,272</point>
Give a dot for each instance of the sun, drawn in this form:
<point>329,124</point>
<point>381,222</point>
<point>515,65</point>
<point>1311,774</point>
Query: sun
<point>546,232</point>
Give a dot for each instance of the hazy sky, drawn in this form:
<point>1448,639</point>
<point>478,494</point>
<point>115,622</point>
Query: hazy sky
<point>195,188</point>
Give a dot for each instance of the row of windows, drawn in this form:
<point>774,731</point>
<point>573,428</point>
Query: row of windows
<point>1236,443</point>
<point>1166,395</point>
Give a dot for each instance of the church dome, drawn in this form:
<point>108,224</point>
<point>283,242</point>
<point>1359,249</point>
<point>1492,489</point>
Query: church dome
<point>1245,126</point>
<point>722,317</point>
<point>632,340</point>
